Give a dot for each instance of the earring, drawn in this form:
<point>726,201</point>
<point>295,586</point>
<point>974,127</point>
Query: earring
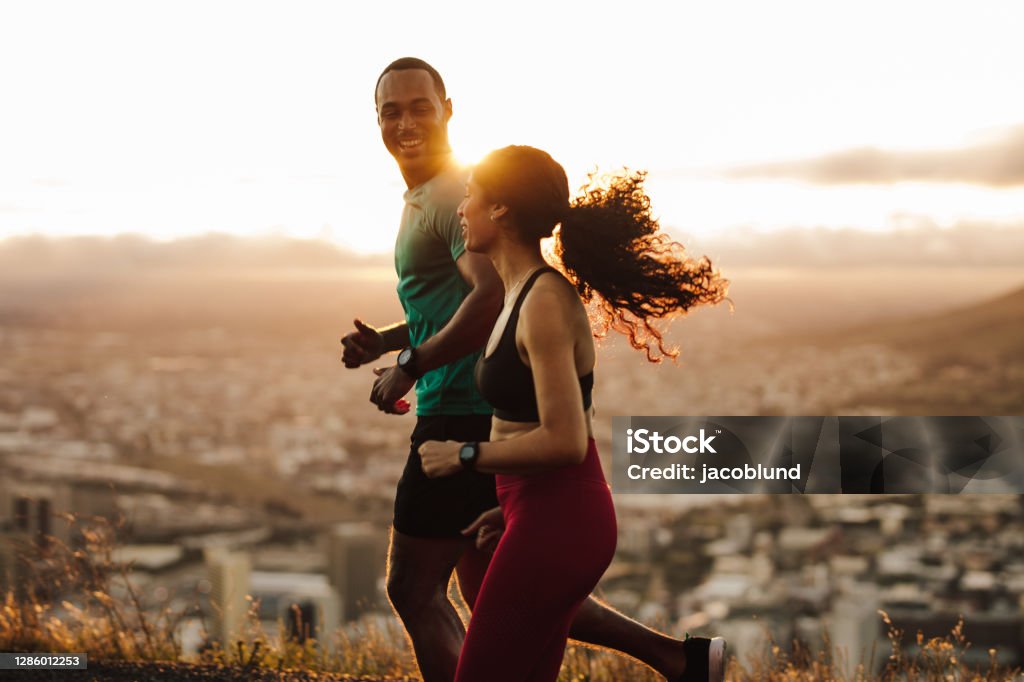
<point>492,217</point>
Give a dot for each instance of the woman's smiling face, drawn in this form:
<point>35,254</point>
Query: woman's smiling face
<point>478,230</point>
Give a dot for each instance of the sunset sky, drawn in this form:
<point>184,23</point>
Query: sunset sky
<point>174,119</point>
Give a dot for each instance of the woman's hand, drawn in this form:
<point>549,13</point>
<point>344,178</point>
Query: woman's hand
<point>488,528</point>
<point>440,458</point>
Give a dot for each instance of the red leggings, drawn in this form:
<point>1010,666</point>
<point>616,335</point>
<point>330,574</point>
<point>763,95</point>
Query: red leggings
<point>559,538</point>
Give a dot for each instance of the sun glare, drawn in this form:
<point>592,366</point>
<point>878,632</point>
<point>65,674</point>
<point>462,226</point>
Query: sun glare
<point>232,137</point>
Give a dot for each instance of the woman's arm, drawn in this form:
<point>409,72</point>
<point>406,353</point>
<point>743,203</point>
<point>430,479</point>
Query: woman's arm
<point>548,326</point>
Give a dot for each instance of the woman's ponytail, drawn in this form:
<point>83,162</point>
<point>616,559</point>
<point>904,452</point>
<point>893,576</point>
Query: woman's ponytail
<point>610,245</point>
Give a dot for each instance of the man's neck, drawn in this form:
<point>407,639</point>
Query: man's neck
<point>416,177</point>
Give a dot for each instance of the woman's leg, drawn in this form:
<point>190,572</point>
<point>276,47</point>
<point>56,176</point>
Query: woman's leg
<point>549,662</point>
<point>519,613</point>
<point>543,568</point>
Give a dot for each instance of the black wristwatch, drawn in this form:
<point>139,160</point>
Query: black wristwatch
<point>468,454</point>
<point>407,362</point>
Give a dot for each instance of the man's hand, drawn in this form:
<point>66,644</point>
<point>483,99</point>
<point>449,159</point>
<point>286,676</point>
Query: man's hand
<point>363,345</point>
<point>390,387</point>
<point>488,529</point>
<point>440,458</point>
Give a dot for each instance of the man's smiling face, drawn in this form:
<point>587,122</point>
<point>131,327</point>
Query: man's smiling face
<point>413,119</point>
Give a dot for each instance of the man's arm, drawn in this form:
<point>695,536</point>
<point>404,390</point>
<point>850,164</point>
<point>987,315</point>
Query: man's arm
<point>466,332</point>
<point>395,336</point>
<point>468,329</point>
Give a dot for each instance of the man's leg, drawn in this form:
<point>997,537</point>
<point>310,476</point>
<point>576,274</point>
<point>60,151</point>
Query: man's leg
<point>470,571</point>
<point>601,625</point>
<point>419,570</point>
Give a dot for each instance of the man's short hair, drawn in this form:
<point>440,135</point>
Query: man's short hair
<point>407,63</point>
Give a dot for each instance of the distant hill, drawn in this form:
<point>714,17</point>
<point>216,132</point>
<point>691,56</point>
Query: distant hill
<point>915,242</point>
<point>129,254</point>
<point>246,285</point>
<point>992,328</point>
<point>966,361</point>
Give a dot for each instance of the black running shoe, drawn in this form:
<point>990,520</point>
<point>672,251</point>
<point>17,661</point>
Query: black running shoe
<point>705,659</point>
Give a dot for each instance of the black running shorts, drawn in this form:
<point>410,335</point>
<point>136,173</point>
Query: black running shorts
<point>442,507</point>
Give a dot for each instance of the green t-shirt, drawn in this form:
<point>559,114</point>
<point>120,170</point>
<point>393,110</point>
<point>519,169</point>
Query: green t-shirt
<point>431,288</point>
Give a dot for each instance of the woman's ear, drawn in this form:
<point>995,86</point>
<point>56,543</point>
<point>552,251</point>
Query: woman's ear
<point>498,212</point>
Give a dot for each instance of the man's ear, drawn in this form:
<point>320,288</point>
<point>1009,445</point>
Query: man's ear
<point>447,109</point>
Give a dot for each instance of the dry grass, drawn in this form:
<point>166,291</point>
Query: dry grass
<point>106,619</point>
<point>82,600</point>
<point>366,651</point>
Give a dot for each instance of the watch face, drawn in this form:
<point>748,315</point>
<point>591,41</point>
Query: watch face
<point>405,356</point>
<point>467,454</point>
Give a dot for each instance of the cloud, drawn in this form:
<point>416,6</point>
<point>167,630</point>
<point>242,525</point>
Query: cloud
<point>996,163</point>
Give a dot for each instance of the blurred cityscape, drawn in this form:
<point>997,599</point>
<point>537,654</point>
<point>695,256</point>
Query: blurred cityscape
<point>244,460</point>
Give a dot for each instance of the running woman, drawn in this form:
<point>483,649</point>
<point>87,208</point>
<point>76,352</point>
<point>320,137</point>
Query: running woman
<point>538,373</point>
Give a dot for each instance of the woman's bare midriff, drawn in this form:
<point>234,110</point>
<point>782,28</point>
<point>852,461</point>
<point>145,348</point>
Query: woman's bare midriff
<point>502,429</point>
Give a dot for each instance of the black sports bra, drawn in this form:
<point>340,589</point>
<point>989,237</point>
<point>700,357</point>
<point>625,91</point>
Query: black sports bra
<point>505,382</point>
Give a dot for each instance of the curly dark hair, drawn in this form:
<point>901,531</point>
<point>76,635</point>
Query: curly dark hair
<point>610,245</point>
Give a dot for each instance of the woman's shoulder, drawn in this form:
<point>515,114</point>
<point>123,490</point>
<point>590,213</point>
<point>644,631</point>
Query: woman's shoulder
<point>551,294</point>
<point>551,282</point>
